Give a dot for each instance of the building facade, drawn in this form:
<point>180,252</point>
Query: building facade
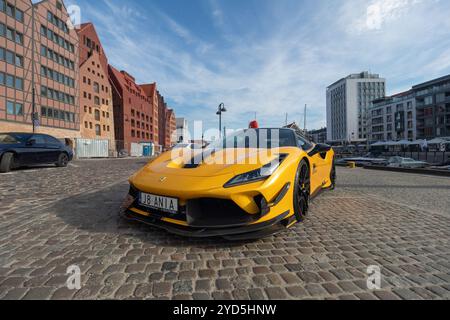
<point>167,124</point>
<point>171,128</point>
<point>393,118</point>
<point>182,130</point>
<point>133,112</point>
<point>433,108</point>
<point>318,136</point>
<point>348,102</point>
<point>96,105</point>
<point>39,71</point>
<point>90,43</point>
<point>152,93</point>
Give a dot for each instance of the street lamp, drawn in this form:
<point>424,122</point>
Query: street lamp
<point>219,112</point>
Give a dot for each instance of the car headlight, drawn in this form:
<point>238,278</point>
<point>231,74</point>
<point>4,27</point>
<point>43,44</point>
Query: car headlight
<point>257,175</point>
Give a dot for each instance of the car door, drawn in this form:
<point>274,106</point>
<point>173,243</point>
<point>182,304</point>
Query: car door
<point>319,165</point>
<point>38,147</point>
<point>53,149</point>
<point>24,152</point>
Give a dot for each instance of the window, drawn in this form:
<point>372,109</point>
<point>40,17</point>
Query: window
<point>97,115</point>
<point>19,38</point>
<point>10,81</point>
<point>19,109</point>
<point>428,100</point>
<point>98,130</point>
<point>10,10</point>
<point>97,100</point>
<point>10,108</point>
<point>86,124</point>
<point>52,141</point>
<point>96,87</point>
<point>19,61</point>
<point>14,108</point>
<point>19,83</point>
<point>10,34</point>
<point>43,112</point>
<point>9,57</point>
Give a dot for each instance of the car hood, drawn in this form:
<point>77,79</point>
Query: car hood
<point>220,162</point>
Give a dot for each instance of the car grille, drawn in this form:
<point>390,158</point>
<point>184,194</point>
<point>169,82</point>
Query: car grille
<point>209,212</point>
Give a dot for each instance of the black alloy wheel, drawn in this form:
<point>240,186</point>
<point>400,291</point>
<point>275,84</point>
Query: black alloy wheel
<point>63,160</point>
<point>302,191</point>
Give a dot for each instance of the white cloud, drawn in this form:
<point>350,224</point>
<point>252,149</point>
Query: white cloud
<point>379,13</point>
<point>286,65</point>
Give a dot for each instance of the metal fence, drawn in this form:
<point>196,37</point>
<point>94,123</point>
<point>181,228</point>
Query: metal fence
<point>99,148</point>
<point>430,157</point>
<point>91,148</point>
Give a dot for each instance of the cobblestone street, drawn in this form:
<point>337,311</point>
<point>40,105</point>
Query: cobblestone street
<point>53,218</point>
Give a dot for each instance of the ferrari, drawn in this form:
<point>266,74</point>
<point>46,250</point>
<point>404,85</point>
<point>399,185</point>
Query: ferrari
<point>254,183</point>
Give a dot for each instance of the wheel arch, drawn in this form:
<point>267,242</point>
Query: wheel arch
<point>9,151</point>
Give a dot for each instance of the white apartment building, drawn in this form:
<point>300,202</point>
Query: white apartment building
<point>348,102</point>
<point>182,130</point>
<point>393,118</point>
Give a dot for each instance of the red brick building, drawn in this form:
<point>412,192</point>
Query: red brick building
<point>90,43</point>
<point>133,110</point>
<point>96,107</point>
<point>48,65</point>
<point>171,127</point>
<point>152,94</point>
<point>167,123</point>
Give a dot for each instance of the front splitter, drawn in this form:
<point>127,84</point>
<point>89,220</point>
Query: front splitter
<point>249,232</point>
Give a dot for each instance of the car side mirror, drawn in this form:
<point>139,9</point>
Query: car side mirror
<point>319,148</point>
<point>31,142</point>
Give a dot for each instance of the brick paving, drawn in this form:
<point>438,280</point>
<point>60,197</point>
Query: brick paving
<point>53,218</point>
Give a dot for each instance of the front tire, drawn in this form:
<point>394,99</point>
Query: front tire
<point>6,163</point>
<point>302,191</point>
<point>63,160</point>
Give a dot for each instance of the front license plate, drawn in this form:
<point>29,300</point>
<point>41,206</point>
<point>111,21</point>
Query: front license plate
<point>165,204</point>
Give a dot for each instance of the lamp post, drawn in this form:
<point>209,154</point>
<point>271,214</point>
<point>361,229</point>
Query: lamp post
<point>219,112</point>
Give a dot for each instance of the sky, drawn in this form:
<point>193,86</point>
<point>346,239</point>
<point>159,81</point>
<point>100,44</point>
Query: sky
<point>269,57</point>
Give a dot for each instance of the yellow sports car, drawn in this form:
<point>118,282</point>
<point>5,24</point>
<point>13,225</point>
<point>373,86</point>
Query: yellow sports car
<point>252,184</point>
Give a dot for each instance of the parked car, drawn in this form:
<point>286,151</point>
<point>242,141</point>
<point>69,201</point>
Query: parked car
<point>399,162</point>
<point>27,149</point>
<point>265,192</point>
<point>363,161</point>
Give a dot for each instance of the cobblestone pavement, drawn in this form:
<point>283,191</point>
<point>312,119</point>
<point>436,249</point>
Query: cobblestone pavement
<point>53,218</point>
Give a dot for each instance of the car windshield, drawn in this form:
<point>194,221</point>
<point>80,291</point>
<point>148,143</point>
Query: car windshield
<point>257,138</point>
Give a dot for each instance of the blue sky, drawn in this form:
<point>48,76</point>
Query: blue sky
<point>269,56</point>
